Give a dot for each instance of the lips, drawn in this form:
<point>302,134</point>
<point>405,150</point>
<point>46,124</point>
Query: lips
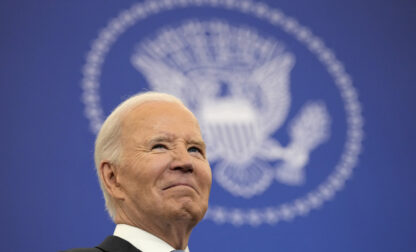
<point>177,184</point>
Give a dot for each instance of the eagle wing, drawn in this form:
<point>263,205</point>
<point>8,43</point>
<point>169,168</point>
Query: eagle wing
<point>273,78</point>
<point>160,76</point>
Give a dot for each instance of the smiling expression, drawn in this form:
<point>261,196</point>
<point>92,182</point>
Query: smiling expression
<point>164,172</point>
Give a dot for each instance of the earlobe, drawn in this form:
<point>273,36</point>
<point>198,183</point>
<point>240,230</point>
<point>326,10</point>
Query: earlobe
<point>109,177</point>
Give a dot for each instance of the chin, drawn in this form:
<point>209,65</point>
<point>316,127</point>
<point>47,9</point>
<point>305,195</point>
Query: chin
<point>190,211</point>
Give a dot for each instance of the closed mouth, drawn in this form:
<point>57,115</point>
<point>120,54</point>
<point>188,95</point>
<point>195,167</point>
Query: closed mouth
<point>178,184</point>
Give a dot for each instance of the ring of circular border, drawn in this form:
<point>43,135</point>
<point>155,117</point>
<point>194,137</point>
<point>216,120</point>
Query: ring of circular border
<point>255,216</point>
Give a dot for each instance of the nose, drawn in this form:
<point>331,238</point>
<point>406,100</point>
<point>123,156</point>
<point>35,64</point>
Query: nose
<point>182,161</point>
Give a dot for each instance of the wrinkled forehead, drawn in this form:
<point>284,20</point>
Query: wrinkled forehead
<point>159,114</point>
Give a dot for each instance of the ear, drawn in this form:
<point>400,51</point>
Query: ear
<point>109,177</point>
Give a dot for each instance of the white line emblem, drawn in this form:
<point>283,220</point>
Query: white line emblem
<point>241,94</point>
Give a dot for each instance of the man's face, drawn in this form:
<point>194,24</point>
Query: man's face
<point>164,172</point>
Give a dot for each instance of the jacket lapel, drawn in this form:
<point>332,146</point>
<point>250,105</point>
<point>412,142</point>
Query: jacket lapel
<point>116,244</point>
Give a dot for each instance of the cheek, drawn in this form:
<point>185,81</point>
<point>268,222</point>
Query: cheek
<point>206,177</point>
<point>149,168</point>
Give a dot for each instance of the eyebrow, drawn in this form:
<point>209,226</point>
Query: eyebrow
<point>159,139</point>
<point>197,143</point>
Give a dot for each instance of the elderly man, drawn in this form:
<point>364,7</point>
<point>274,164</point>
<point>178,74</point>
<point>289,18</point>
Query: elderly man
<point>154,174</point>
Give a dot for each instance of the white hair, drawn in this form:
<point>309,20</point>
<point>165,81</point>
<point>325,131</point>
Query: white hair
<point>108,145</point>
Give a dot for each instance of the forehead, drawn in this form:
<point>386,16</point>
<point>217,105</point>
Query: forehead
<point>160,117</point>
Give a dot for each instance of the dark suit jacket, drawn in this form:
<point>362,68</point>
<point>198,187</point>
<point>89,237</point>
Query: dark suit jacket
<point>110,244</point>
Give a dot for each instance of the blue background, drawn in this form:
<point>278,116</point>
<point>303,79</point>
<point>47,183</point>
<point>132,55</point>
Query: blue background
<point>50,198</point>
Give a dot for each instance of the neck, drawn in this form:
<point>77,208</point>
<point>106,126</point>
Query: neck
<point>175,231</point>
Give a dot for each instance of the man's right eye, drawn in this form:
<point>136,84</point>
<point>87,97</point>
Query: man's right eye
<point>159,146</point>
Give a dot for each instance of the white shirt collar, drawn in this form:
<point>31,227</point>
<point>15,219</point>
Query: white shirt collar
<point>144,241</point>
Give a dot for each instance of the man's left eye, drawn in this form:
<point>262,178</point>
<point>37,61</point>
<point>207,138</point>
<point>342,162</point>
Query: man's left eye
<point>194,149</point>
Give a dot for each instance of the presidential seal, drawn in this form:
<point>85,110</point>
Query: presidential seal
<point>241,82</point>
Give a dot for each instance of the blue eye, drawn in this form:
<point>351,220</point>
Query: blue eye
<point>194,149</point>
